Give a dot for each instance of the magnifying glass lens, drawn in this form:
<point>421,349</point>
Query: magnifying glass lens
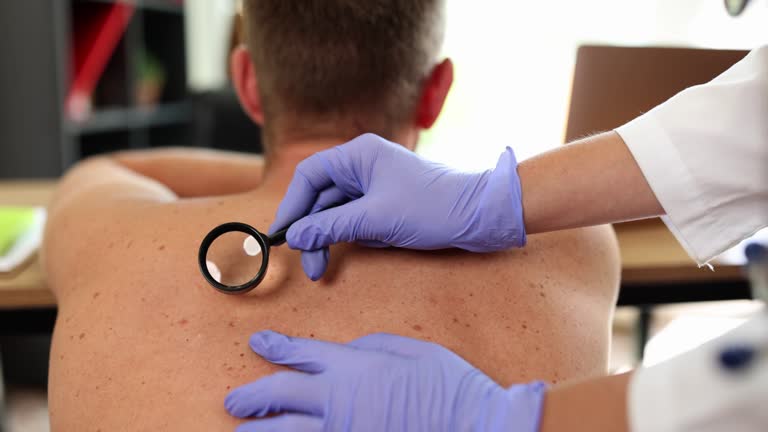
<point>234,258</point>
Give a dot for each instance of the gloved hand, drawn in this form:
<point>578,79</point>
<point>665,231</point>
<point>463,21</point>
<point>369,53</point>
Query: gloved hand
<point>379,383</point>
<point>393,197</point>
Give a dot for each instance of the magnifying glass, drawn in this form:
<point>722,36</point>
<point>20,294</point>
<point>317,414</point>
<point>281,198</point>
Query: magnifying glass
<point>735,7</point>
<point>233,257</point>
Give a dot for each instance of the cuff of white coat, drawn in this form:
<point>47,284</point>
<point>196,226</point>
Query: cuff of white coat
<point>652,407</point>
<point>688,216</point>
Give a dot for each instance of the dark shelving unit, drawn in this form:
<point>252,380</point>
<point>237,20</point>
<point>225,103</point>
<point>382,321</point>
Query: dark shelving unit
<point>155,5</point>
<point>121,119</point>
<point>37,136</point>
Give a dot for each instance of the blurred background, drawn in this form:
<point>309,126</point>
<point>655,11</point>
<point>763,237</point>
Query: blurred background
<point>82,77</point>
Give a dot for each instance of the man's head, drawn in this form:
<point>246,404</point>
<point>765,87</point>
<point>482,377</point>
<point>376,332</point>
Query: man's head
<point>338,68</point>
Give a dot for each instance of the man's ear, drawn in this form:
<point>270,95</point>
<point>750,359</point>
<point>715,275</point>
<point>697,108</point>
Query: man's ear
<point>433,94</point>
<point>246,83</point>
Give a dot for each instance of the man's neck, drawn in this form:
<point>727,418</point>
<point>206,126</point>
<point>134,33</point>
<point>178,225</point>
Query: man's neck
<point>281,161</point>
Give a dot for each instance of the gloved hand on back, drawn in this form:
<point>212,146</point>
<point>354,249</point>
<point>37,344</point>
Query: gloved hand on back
<point>380,194</point>
<point>379,383</point>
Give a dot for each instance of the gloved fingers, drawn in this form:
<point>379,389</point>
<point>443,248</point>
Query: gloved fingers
<point>306,355</point>
<point>292,392</point>
<point>345,223</point>
<point>329,197</point>
<point>315,262</point>
<point>284,423</point>
<point>393,344</point>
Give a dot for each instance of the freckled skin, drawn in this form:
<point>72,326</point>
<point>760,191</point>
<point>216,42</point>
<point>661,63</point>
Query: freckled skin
<point>140,322</point>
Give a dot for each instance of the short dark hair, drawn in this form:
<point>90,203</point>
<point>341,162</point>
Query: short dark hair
<point>332,59</point>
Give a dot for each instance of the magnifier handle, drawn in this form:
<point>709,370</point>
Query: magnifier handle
<point>278,238</point>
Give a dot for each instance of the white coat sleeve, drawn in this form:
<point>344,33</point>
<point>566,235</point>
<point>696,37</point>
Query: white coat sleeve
<point>704,154</point>
<point>693,392</point>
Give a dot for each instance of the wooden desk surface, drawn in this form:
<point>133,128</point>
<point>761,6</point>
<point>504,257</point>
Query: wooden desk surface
<point>25,288</point>
<point>649,254</point>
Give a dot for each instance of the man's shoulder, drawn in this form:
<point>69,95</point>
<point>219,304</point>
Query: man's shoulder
<point>588,251</point>
<point>118,239</point>
<point>589,256</point>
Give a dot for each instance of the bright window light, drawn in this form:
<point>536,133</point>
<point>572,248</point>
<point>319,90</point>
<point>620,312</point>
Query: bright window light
<point>514,62</point>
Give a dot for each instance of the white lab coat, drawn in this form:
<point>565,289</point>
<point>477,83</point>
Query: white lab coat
<point>695,393</point>
<point>705,155</point>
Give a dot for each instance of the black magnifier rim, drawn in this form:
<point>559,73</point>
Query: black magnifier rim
<point>736,12</point>
<point>217,232</point>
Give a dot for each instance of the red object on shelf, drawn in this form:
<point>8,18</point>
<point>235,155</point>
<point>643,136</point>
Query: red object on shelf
<point>95,37</point>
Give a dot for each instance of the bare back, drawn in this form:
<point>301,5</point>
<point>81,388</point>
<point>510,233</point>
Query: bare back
<point>143,343</point>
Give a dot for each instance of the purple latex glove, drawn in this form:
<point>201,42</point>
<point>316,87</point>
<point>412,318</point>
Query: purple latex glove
<point>390,196</point>
<point>379,383</point>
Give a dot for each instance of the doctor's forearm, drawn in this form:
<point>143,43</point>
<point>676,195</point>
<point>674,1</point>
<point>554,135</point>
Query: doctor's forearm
<point>589,182</point>
<point>595,405</point>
